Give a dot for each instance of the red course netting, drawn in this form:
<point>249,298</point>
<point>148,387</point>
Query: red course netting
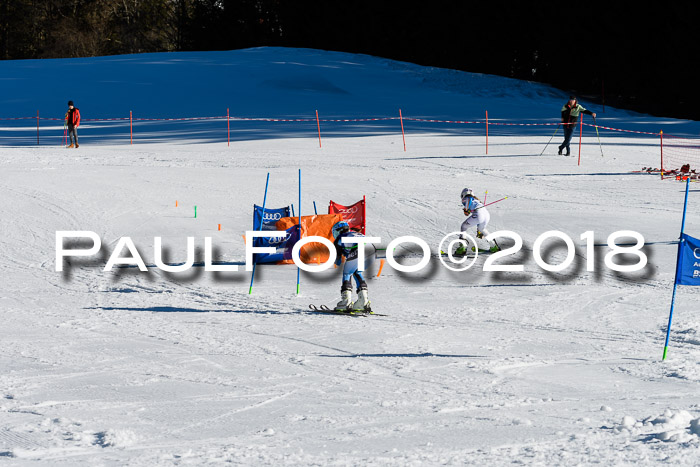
<point>680,156</point>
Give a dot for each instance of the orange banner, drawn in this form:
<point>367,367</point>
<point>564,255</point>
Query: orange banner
<point>318,225</point>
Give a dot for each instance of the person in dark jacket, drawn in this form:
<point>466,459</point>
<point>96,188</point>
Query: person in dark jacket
<point>73,121</point>
<point>569,118</point>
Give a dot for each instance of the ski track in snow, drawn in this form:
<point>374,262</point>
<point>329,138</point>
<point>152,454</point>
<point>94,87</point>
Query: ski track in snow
<point>131,368</point>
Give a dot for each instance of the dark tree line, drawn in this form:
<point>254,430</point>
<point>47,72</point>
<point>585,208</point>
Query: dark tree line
<point>622,53</point>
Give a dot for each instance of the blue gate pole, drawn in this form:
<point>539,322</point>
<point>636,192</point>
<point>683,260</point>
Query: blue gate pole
<point>262,219</point>
<point>298,268</point>
<point>678,257</point>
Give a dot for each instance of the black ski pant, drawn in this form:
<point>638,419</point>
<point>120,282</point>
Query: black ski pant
<point>73,135</point>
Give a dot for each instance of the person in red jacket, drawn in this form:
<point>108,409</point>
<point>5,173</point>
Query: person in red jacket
<point>73,122</point>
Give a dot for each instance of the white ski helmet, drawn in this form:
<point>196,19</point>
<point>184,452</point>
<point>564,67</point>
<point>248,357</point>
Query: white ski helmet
<point>467,192</point>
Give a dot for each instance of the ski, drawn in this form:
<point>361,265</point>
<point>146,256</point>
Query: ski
<point>325,309</point>
<point>470,253</point>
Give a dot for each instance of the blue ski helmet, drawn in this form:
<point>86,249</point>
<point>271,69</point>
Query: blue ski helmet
<point>339,228</point>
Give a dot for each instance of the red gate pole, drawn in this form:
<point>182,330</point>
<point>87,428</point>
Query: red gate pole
<point>318,123</point>
<point>661,135</point>
<point>403,135</point>
<point>487,132</point>
<point>364,214</point>
<point>37,128</point>
<point>580,138</point>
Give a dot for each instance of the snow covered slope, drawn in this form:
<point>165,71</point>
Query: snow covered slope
<point>156,368</point>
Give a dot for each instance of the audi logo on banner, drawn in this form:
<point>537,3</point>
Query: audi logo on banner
<point>278,240</point>
<point>272,217</point>
<point>350,210</point>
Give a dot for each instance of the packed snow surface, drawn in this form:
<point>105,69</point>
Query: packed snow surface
<point>154,368</point>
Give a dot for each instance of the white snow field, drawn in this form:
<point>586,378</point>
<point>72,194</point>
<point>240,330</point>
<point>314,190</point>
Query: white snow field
<point>134,368</point>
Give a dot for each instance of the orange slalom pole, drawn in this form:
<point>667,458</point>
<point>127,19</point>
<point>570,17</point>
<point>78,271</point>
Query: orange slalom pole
<point>661,135</point>
<point>403,135</point>
<point>381,266</point>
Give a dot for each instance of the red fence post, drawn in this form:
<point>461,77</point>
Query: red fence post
<point>487,132</point>
<point>661,135</point>
<point>364,215</point>
<point>602,87</point>
<point>403,135</point>
<point>318,123</point>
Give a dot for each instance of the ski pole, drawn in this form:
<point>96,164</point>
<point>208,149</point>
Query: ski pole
<point>598,135</point>
<point>493,202</point>
<point>550,139</point>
